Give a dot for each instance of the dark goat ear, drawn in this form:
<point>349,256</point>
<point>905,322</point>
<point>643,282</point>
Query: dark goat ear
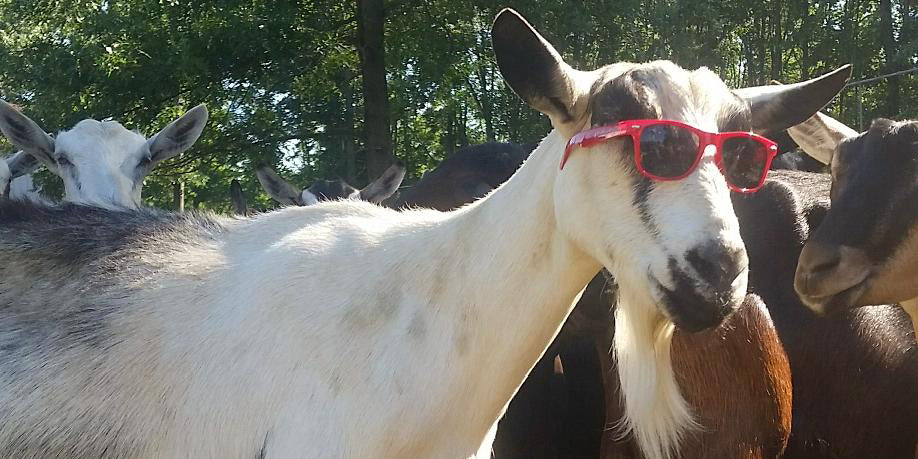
<point>279,189</point>
<point>179,135</point>
<point>240,207</point>
<point>531,66</point>
<point>778,107</point>
<point>26,135</point>
<point>22,163</point>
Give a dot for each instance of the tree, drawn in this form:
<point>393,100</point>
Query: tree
<point>370,27</point>
<point>324,88</point>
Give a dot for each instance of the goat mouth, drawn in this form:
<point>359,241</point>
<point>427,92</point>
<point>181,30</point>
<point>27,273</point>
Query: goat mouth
<point>845,298</point>
<point>692,311</point>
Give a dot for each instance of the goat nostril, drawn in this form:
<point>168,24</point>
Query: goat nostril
<point>716,264</point>
<point>816,259</point>
<point>823,265</point>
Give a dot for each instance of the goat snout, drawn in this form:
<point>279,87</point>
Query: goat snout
<point>828,274</point>
<point>712,285</point>
<point>718,265</point>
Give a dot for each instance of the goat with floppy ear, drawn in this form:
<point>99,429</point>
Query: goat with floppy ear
<point>866,250</point>
<point>102,163</point>
<point>854,372</point>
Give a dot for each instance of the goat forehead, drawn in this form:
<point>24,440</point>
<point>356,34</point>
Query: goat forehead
<point>107,141</point>
<point>886,141</point>
<point>661,89</point>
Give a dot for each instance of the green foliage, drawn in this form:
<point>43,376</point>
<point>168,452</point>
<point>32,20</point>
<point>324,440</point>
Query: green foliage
<point>282,78</point>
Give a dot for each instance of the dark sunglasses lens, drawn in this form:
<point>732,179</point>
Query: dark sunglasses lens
<point>744,161</point>
<point>667,151</point>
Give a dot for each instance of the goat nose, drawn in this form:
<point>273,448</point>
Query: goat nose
<point>718,264</point>
<point>816,260</point>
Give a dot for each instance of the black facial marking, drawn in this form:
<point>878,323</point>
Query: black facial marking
<point>735,117</point>
<point>716,265</point>
<point>624,97</point>
<point>642,189</point>
<point>63,161</point>
<point>689,310</point>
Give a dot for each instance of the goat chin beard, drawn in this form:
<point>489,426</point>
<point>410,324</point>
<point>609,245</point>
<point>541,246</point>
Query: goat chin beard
<point>655,411</point>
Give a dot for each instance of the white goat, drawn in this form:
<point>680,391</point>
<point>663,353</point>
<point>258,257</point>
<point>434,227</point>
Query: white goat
<point>102,163</point>
<point>170,335</point>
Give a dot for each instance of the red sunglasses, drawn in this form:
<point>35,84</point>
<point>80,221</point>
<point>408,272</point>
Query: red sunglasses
<point>666,150</point>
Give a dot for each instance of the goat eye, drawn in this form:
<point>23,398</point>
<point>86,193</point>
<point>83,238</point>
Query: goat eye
<point>63,161</point>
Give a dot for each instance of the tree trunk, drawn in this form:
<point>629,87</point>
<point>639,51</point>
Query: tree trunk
<point>370,19</point>
<point>487,111</point>
<point>463,134</point>
<point>888,39</point>
<point>347,139</point>
<point>178,195</point>
<point>805,42</point>
<point>777,38</point>
<point>448,139</point>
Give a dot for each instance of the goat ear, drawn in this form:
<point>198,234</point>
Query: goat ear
<point>778,107</point>
<point>26,135</point>
<point>279,189</point>
<point>179,135</point>
<point>239,205</point>
<point>532,67</point>
<point>820,136</point>
<point>22,163</point>
<point>386,185</point>
<point>307,198</point>
<point>5,179</point>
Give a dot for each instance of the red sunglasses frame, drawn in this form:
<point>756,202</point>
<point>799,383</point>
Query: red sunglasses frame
<point>633,128</point>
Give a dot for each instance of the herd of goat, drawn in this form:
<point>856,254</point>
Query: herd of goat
<point>501,306</point>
